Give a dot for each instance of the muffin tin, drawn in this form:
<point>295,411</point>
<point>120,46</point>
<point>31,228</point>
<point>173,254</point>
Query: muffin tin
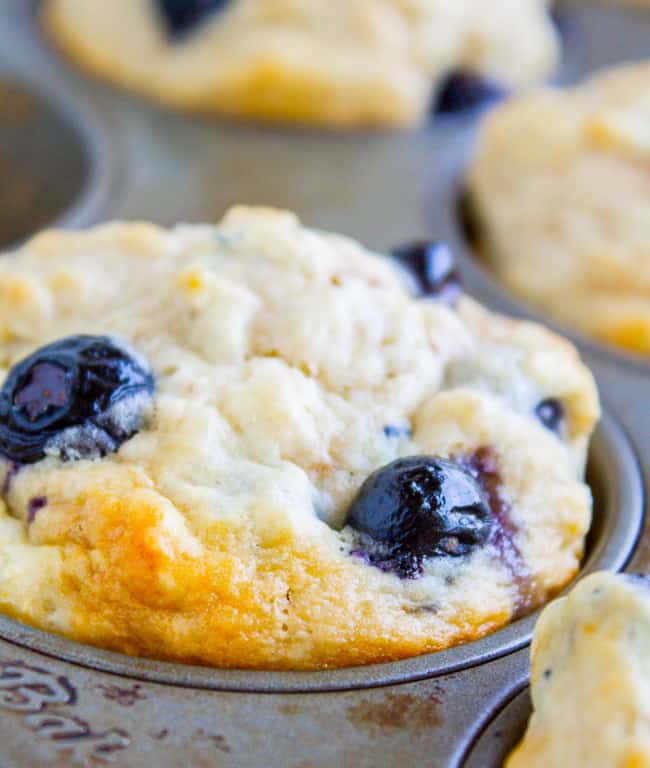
<point>106,154</point>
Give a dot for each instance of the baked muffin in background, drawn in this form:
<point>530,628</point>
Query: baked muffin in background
<point>257,445</point>
<point>590,678</point>
<point>337,63</point>
<point>559,191</point>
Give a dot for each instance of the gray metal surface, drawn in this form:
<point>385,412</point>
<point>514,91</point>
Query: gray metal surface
<point>65,704</point>
<point>501,734</point>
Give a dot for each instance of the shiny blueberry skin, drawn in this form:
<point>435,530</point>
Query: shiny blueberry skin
<point>462,91</point>
<point>85,393</point>
<point>182,15</point>
<point>550,413</point>
<point>433,268</point>
<point>418,507</point>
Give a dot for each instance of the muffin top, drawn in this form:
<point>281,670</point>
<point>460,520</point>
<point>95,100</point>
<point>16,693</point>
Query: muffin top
<point>342,62</point>
<point>570,170</point>
<point>261,446</point>
<point>590,678</point>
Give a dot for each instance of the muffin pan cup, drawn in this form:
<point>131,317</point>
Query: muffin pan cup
<point>62,703</point>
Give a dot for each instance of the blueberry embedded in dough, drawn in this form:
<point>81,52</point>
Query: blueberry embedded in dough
<point>433,269</point>
<point>551,413</point>
<point>417,507</point>
<point>182,15</point>
<point>461,91</point>
<point>80,397</point>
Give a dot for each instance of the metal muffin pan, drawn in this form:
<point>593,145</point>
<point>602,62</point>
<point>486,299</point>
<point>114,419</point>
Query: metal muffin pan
<point>62,142</point>
<point>66,704</point>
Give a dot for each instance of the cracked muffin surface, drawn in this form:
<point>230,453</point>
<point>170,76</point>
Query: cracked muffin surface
<point>560,191</point>
<point>258,445</point>
<point>344,62</point>
<point>590,678</point>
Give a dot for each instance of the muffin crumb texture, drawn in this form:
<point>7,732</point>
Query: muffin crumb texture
<point>251,377</point>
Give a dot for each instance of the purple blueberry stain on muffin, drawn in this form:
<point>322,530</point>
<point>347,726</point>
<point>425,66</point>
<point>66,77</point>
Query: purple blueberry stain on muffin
<point>80,397</point>
<point>483,465</point>
<point>12,470</point>
<point>34,506</point>
<point>422,507</point>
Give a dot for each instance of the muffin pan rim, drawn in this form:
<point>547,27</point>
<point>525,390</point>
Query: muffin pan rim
<point>496,738</point>
<point>27,63</point>
<point>496,295</point>
<point>477,693</point>
<point>612,551</point>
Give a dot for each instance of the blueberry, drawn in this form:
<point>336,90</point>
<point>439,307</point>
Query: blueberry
<point>433,267</point>
<point>466,90</point>
<point>82,396</point>
<point>550,413</point>
<point>394,431</point>
<point>418,507</point>
<point>181,15</point>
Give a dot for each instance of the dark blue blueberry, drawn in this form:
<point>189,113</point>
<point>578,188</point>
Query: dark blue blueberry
<point>462,91</point>
<point>550,413</point>
<point>82,396</point>
<point>392,431</point>
<point>181,15</point>
<point>433,267</point>
<point>418,507</point>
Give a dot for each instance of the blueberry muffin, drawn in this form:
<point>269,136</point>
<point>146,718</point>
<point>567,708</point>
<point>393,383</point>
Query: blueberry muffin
<point>261,446</point>
<point>590,678</point>
<point>343,62</point>
<point>560,195</point>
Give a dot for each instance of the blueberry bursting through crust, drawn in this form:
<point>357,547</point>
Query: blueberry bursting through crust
<point>80,397</point>
<point>418,507</point>
<point>182,15</point>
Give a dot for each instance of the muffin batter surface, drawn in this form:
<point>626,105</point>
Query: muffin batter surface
<point>288,365</point>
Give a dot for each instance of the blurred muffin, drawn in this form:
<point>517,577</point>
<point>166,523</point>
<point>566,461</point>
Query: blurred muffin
<point>346,62</point>
<point>560,193</point>
<point>590,678</point>
<point>257,445</point>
